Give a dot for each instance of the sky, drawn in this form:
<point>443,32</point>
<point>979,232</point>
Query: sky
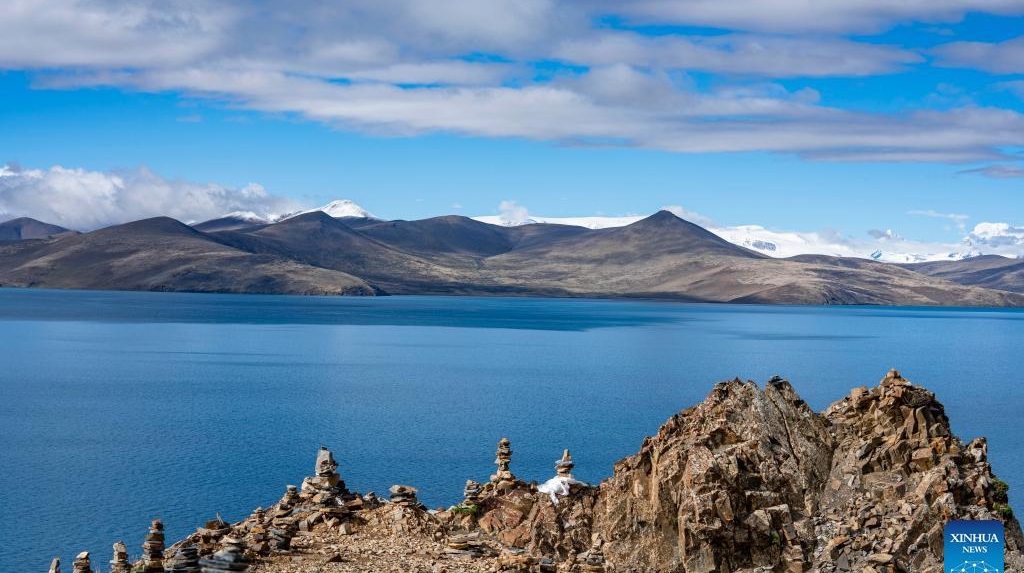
<point>871,120</point>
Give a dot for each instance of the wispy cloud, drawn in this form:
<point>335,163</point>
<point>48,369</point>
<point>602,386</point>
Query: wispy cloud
<point>84,200</point>
<point>958,218</point>
<point>997,171</point>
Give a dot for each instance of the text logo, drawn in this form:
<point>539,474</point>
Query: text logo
<point>973,547</point>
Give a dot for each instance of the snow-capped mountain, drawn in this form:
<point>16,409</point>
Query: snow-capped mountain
<point>884,246</point>
<point>337,209</point>
<point>588,222</point>
<point>247,216</point>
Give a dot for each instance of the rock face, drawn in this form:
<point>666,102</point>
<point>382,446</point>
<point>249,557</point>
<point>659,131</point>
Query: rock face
<point>753,480</point>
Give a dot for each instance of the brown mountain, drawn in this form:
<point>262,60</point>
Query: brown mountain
<point>660,257</point>
<point>162,254</point>
<point>26,228</point>
<point>989,271</point>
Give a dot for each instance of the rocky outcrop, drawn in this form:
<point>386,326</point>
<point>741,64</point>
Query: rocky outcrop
<point>749,481</point>
<point>753,480</point>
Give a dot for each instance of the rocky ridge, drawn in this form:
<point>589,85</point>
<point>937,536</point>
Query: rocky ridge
<point>749,481</point>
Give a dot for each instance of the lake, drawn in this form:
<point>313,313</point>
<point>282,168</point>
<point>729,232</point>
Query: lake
<point>121,407</point>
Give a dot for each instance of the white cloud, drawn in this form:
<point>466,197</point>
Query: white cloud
<point>801,15</point>
<point>406,67</point>
<point>513,213</point>
<point>998,235</point>
<point>743,54</point>
<point>1000,58</point>
<point>84,200</point>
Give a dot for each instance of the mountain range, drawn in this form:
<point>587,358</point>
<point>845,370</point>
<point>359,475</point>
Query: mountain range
<point>657,257</point>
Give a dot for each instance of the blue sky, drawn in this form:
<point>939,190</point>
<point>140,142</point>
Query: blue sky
<point>836,115</point>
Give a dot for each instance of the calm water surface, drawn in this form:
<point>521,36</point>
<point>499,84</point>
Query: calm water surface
<point>116,408</point>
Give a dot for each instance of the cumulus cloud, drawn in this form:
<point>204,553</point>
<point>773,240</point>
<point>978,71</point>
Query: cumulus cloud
<point>512,213</point>
<point>84,200</point>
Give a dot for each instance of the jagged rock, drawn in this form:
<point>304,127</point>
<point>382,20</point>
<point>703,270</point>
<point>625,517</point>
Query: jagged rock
<point>752,480</point>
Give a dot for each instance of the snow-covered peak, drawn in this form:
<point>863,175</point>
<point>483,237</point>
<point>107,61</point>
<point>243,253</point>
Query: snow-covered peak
<point>588,222</point>
<point>337,209</point>
<point>345,208</point>
<point>247,216</point>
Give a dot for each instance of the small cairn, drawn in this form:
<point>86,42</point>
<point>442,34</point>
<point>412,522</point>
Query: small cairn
<point>281,534</point>
<point>55,565</point>
<point>326,476</point>
<point>185,560</point>
<point>290,498</point>
<point>563,467</point>
<point>465,546</point>
<point>593,561</point>
<point>258,542</point>
<point>82,564</point>
<point>230,558</point>
<point>153,548</point>
<point>471,494</point>
<point>503,480</point>
<point>119,562</point>
<point>404,495</point>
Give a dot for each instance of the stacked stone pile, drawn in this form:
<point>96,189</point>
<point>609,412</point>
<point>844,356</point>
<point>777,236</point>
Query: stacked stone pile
<point>153,548</point>
<point>503,480</point>
<point>404,495</point>
<point>82,564</point>
<point>466,546</point>
<point>230,558</point>
<point>184,560</point>
<point>119,562</point>
<point>55,565</point>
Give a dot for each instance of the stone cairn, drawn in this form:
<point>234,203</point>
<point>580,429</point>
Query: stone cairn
<point>55,565</point>
<point>119,562</point>
<point>282,524</point>
<point>81,564</point>
<point>563,467</point>
<point>327,492</point>
<point>404,495</point>
<point>230,558</point>
<point>185,560</point>
<point>257,539</point>
<point>471,494</point>
<point>466,546</point>
<point>503,480</point>
<point>153,548</point>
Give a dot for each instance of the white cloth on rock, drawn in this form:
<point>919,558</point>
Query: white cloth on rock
<point>558,485</point>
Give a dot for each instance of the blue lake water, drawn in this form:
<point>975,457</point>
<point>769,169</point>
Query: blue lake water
<point>116,408</point>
